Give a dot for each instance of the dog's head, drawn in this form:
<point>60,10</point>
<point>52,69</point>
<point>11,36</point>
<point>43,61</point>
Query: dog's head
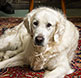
<point>45,23</point>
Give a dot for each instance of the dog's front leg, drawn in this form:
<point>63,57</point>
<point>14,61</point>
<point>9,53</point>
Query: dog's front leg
<point>56,73</point>
<point>60,71</point>
<point>9,54</point>
<point>17,60</point>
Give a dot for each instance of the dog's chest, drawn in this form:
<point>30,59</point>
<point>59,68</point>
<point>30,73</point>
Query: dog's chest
<point>41,56</point>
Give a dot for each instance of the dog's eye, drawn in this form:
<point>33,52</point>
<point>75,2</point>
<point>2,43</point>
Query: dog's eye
<point>48,25</point>
<point>35,23</point>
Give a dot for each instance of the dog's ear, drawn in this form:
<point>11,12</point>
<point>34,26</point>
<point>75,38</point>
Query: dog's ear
<point>28,20</point>
<point>27,24</point>
<point>60,28</point>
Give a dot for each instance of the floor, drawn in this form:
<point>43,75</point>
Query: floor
<point>22,13</point>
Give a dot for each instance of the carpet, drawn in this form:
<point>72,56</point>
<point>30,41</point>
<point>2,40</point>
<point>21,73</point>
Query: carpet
<point>25,72</point>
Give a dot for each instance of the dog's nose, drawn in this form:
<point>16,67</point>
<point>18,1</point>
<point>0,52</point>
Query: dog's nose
<point>39,40</point>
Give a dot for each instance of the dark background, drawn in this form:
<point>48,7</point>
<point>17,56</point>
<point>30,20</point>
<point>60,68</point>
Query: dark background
<point>24,4</point>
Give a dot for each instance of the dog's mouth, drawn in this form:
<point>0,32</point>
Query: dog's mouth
<point>38,44</point>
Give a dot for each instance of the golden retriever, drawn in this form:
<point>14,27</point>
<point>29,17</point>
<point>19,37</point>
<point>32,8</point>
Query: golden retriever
<point>44,40</point>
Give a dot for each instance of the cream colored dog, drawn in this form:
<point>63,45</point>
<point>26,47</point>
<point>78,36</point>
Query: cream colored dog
<point>48,43</point>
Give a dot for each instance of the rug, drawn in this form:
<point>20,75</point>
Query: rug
<point>25,72</point>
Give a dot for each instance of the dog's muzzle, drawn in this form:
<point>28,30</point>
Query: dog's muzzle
<point>39,40</point>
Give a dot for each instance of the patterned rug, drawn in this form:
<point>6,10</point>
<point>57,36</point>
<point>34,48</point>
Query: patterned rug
<point>25,72</point>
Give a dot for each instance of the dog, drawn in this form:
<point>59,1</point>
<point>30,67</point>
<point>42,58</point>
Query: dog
<point>44,40</point>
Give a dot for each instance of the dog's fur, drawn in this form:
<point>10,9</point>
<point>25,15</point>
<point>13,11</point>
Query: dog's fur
<point>58,39</point>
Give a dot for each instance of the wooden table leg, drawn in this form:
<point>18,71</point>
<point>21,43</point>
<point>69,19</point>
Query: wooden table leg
<point>63,6</point>
<point>31,5</point>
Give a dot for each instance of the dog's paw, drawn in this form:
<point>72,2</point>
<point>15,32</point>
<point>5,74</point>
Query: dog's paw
<point>51,76</point>
<point>48,75</point>
<point>70,71</point>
